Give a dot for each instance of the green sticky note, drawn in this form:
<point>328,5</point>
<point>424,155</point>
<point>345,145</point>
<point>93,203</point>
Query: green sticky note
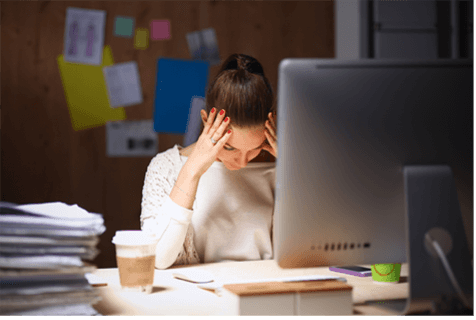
<point>86,94</point>
<point>124,27</point>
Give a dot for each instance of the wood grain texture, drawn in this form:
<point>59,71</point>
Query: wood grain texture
<point>44,159</point>
<point>265,288</point>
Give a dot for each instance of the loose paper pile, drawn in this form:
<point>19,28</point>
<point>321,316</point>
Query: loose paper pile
<point>42,248</point>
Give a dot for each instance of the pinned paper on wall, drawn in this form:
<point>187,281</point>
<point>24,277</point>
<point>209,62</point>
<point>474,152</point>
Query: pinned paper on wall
<point>178,82</point>
<point>141,39</point>
<point>123,84</point>
<point>203,45</point>
<point>84,35</point>
<point>160,30</point>
<point>131,139</point>
<point>194,121</point>
<point>124,27</point>
<point>86,94</point>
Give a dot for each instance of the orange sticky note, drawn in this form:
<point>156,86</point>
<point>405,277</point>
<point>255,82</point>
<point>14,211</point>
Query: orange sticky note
<point>141,38</point>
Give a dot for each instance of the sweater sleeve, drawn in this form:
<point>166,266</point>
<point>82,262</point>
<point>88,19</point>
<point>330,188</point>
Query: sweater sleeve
<point>166,220</point>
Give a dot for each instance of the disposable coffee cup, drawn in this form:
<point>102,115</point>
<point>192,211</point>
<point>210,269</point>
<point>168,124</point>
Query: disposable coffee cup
<point>135,256</point>
<point>386,272</point>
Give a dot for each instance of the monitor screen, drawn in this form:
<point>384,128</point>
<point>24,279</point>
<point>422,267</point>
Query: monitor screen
<point>346,129</point>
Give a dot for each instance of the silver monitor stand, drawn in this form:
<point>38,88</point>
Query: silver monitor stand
<point>440,270</point>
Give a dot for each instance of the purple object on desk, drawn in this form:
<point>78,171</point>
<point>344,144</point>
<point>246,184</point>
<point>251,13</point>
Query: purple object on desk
<point>353,271</point>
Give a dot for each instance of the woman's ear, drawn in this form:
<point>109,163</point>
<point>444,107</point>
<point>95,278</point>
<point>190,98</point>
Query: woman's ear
<point>203,115</point>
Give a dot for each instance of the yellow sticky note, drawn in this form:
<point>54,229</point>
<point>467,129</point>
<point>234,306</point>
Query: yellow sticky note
<point>86,93</point>
<point>141,38</point>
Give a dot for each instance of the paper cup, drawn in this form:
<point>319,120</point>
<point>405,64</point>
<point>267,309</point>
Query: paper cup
<point>386,272</point>
<point>135,256</point>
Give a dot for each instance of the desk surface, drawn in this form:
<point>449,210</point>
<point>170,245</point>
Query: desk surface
<point>176,297</point>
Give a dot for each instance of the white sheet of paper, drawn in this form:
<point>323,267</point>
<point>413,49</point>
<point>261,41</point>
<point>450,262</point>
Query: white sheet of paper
<point>123,84</point>
<point>52,214</point>
<point>194,44</point>
<point>211,44</point>
<point>94,279</point>
<point>60,210</point>
<point>203,45</point>
<point>131,138</point>
<point>40,262</point>
<point>58,310</point>
<point>84,35</point>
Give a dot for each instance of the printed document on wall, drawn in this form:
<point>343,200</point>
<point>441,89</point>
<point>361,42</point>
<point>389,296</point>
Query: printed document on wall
<point>123,84</point>
<point>131,139</point>
<point>84,35</point>
<point>203,45</point>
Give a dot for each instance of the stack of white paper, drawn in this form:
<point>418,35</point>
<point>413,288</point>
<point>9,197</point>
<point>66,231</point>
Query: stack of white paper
<point>42,248</point>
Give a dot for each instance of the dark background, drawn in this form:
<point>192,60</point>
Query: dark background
<point>43,159</point>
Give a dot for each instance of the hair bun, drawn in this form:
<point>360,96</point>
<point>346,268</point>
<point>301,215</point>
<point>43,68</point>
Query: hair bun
<point>231,65</point>
<point>244,62</point>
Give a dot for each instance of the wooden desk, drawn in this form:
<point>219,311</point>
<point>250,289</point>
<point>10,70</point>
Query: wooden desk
<point>176,297</point>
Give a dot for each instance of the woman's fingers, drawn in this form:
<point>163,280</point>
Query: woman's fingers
<point>217,123</point>
<point>211,117</point>
<point>273,144</point>
<point>272,120</point>
<point>271,126</point>
<point>271,131</point>
<point>221,129</point>
<point>221,143</point>
<point>271,135</point>
<point>271,139</point>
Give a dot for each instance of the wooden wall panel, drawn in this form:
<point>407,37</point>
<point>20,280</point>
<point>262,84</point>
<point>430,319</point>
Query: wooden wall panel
<point>44,159</point>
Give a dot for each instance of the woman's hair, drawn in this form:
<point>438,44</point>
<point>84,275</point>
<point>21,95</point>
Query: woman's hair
<point>242,90</point>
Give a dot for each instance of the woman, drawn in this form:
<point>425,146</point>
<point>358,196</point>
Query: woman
<point>206,202</point>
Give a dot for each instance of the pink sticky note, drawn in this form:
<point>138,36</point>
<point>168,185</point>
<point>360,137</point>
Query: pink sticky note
<point>160,30</point>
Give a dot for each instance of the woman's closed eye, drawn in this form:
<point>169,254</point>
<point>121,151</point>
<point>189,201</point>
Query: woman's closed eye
<point>227,148</point>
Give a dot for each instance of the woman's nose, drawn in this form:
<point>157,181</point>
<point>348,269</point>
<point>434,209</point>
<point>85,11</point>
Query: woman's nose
<point>243,160</point>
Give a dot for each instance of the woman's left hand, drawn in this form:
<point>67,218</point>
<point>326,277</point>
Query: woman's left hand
<point>271,135</point>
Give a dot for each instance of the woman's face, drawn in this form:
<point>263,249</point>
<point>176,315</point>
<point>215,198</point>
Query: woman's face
<point>244,145</point>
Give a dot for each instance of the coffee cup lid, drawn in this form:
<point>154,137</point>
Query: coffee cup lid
<point>133,238</point>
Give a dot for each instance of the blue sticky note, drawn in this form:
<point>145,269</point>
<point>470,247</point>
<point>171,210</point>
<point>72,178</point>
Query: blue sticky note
<point>124,27</point>
<point>178,82</point>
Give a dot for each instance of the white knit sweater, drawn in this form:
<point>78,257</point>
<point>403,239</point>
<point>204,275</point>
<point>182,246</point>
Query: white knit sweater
<point>231,218</point>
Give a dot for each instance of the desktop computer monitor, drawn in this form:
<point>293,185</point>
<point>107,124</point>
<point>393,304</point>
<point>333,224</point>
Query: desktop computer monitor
<point>350,134</point>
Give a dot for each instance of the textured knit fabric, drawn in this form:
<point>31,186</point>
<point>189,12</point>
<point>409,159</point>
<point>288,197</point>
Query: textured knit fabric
<point>231,217</point>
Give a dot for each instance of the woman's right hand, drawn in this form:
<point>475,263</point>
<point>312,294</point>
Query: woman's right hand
<point>205,152</point>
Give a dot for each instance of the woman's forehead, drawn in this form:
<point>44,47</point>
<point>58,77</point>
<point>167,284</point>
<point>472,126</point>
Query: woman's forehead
<point>247,138</point>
